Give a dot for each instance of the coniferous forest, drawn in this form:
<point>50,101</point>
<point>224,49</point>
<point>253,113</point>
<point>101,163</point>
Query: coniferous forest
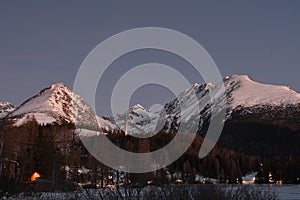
<point>57,154</point>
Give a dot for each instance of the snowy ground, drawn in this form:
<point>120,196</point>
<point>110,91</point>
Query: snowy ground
<point>285,192</point>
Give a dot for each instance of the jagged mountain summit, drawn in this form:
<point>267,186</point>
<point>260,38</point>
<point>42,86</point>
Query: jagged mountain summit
<point>56,104</point>
<point>245,92</point>
<point>6,108</point>
<point>244,97</point>
<point>138,119</point>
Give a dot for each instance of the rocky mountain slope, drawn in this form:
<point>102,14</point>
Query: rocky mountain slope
<point>6,108</point>
<point>244,98</point>
<point>57,104</point>
<point>261,119</point>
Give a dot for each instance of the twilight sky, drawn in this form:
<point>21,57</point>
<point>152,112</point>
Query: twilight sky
<point>44,42</point>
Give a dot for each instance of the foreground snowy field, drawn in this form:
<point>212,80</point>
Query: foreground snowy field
<point>283,192</point>
<point>287,192</point>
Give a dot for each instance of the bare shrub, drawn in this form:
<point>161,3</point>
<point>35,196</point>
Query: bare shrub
<point>250,192</point>
<point>165,192</point>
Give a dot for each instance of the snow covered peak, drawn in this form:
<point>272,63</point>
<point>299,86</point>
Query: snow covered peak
<point>240,77</point>
<point>49,99</point>
<point>55,104</point>
<point>195,85</point>
<point>140,119</point>
<point>57,85</point>
<point>205,85</point>
<point>209,85</point>
<point>138,106</point>
<point>244,91</point>
<point>5,108</point>
<point>5,104</point>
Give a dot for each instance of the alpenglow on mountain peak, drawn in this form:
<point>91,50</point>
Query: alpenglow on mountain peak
<point>244,91</point>
<point>59,104</point>
<point>55,104</point>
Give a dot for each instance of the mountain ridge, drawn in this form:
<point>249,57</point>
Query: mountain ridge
<point>59,104</point>
<point>243,96</point>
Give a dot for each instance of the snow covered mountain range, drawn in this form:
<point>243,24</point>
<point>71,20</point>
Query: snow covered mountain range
<point>243,96</point>
<point>58,104</point>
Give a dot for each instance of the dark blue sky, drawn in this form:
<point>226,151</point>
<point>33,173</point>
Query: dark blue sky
<point>45,42</point>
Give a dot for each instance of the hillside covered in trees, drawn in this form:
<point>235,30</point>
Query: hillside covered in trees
<point>57,154</point>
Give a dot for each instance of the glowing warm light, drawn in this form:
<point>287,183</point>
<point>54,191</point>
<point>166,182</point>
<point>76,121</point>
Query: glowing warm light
<point>179,181</point>
<point>251,181</point>
<point>110,186</point>
<point>271,178</point>
<point>35,176</point>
